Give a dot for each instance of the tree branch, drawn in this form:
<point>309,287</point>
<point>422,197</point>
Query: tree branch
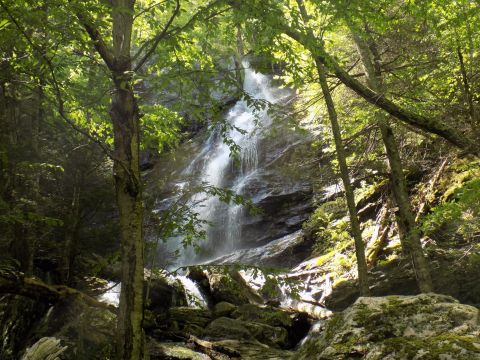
<point>165,33</point>
<point>156,40</point>
<point>102,48</point>
<point>422,122</point>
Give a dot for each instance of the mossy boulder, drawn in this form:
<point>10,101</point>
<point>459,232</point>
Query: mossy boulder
<point>224,327</point>
<point>263,314</point>
<point>174,351</point>
<point>181,317</point>
<point>227,328</point>
<point>422,327</point>
<point>228,286</point>
<point>223,308</point>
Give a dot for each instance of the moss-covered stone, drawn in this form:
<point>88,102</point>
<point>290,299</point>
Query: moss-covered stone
<point>223,308</point>
<point>263,314</point>
<point>179,317</point>
<point>427,327</point>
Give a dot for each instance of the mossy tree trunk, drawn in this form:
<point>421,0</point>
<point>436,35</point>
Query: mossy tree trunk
<point>408,230</point>
<point>125,118</point>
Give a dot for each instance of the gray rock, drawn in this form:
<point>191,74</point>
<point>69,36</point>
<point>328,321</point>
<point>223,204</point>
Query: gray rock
<point>426,326</point>
<point>265,315</point>
<point>286,251</point>
<point>229,287</point>
<point>226,328</point>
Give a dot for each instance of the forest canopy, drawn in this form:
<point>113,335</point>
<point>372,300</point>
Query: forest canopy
<point>94,94</point>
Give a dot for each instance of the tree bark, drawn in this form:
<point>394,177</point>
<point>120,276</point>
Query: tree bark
<point>124,115</point>
<point>71,227</point>
<point>349,195</point>
<point>125,119</point>
<point>344,174</point>
<point>408,230</point>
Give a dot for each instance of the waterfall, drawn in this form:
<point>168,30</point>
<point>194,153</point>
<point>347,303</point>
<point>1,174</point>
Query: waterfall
<point>214,165</point>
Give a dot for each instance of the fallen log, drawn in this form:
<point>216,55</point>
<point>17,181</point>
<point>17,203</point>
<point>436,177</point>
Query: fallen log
<point>17,284</point>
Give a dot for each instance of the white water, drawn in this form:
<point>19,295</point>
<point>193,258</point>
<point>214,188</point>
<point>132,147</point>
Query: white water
<point>112,295</point>
<point>195,298</point>
<point>216,166</point>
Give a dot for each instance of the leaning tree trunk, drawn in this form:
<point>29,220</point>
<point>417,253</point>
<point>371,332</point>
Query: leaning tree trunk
<point>342,161</point>
<point>349,195</point>
<point>408,230</point>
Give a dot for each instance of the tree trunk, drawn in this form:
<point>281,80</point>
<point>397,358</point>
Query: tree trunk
<point>125,119</point>
<point>71,227</point>
<point>342,161</point>
<point>349,195</point>
<point>408,231</point>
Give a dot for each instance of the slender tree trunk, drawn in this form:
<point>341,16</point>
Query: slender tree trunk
<point>129,201</point>
<point>408,231</point>
<point>71,227</point>
<point>349,195</point>
<point>344,174</point>
<point>466,88</point>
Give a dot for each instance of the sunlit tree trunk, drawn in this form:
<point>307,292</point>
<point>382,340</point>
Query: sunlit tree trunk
<point>408,230</point>
<point>344,174</point>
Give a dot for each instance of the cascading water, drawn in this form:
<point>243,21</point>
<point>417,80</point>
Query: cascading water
<point>215,166</point>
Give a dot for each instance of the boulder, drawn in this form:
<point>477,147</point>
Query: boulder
<point>223,308</point>
<point>286,251</point>
<point>426,326</point>
<point>226,328</point>
<point>179,317</point>
<point>273,336</point>
<point>164,294</point>
<point>223,286</point>
<point>296,324</point>
<point>174,351</point>
<point>263,314</point>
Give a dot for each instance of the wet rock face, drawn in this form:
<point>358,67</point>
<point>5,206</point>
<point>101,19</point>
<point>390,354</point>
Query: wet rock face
<point>427,326</point>
<point>286,251</point>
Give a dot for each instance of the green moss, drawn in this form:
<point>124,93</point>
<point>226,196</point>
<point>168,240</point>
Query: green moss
<point>335,323</point>
<point>458,347</point>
